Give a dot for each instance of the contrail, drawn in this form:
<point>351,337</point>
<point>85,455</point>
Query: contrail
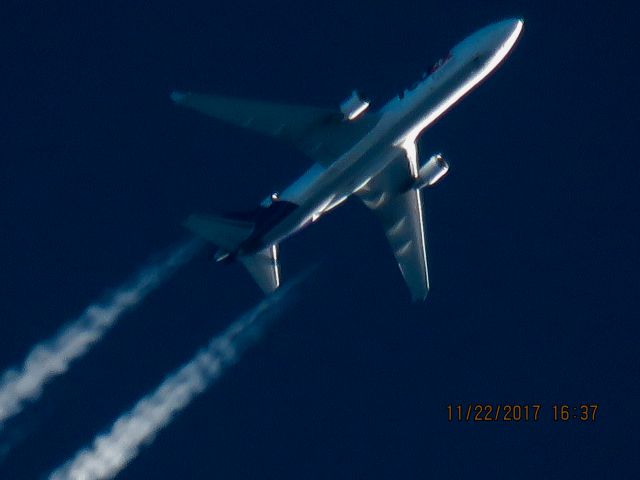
<point>110,452</point>
<point>52,357</point>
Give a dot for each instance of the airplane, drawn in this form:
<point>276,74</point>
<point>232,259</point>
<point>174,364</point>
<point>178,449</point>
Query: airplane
<point>370,155</point>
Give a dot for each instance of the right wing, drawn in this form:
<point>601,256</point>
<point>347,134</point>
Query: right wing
<point>399,208</point>
<point>320,133</point>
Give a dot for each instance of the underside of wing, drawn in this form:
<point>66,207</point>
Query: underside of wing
<point>400,210</point>
<point>320,133</point>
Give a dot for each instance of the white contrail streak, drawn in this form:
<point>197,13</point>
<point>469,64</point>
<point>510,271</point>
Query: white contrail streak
<point>52,357</point>
<point>110,452</point>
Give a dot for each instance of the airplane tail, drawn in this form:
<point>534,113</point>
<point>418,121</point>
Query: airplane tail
<point>225,232</point>
<point>264,267</point>
<point>228,233</point>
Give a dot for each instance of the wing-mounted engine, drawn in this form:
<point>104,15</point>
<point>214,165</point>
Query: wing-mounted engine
<point>354,106</point>
<point>432,171</point>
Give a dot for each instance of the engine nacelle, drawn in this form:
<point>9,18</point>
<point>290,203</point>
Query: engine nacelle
<point>432,171</point>
<point>353,106</point>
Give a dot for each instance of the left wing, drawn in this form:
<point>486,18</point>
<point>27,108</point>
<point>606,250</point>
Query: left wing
<point>399,206</point>
<point>320,133</point>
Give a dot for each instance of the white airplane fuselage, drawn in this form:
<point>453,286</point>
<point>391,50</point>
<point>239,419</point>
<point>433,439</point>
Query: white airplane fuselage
<point>401,121</point>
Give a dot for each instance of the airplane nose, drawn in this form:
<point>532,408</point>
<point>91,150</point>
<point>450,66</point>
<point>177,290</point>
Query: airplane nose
<point>500,37</point>
<point>506,28</point>
<point>501,32</point>
<point>491,39</point>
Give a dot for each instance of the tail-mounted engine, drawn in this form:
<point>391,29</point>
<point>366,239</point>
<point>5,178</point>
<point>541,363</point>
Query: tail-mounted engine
<point>353,106</point>
<point>432,171</point>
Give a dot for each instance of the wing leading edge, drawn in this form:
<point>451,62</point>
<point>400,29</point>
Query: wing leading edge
<point>400,210</point>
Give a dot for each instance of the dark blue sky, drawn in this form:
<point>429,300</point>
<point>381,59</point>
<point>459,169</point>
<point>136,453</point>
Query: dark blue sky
<point>532,239</point>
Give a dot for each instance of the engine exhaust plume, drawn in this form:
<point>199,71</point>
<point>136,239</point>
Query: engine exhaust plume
<point>112,451</point>
<point>52,357</point>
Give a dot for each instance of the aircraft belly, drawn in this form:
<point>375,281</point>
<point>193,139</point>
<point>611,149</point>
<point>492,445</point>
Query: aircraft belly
<point>320,189</point>
<point>323,190</point>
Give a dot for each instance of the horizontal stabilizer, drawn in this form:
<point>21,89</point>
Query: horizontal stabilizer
<point>264,268</point>
<point>226,233</point>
